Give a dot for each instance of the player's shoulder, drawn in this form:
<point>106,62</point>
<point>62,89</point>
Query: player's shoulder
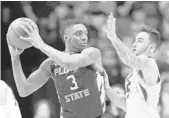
<point>46,64</point>
<point>154,66</point>
<point>150,61</point>
<point>91,50</point>
<point>47,61</point>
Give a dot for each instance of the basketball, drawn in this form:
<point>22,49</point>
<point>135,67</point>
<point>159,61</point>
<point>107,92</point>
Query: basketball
<point>15,31</point>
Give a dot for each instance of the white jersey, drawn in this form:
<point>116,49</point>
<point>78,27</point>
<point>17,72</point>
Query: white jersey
<point>142,100</point>
<point>8,105</point>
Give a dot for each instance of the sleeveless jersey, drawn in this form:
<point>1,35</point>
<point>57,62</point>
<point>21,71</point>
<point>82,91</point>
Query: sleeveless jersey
<point>80,91</point>
<point>142,100</point>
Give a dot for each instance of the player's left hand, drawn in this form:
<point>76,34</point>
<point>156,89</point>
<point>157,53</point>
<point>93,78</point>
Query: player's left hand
<point>33,35</point>
<point>110,28</point>
<point>14,52</point>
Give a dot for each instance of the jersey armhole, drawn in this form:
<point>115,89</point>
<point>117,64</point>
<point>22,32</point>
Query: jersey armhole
<point>46,66</point>
<point>152,60</point>
<point>145,85</point>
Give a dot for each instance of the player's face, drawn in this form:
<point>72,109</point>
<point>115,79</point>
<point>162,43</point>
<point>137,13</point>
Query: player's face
<point>141,43</point>
<point>78,37</point>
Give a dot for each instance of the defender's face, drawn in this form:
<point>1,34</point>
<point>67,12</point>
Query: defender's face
<point>141,43</point>
<point>78,36</point>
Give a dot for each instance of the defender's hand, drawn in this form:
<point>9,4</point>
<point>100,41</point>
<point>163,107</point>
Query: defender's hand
<point>34,37</point>
<point>110,29</point>
<point>13,50</point>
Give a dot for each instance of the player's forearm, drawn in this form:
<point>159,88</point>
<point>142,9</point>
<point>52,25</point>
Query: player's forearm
<point>123,51</point>
<point>115,98</point>
<point>61,58</point>
<point>19,76</point>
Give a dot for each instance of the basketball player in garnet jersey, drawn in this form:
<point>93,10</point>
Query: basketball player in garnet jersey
<point>143,83</point>
<point>75,72</point>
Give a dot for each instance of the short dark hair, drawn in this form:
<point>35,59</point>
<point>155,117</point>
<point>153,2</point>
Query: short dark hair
<point>67,24</point>
<point>155,36</point>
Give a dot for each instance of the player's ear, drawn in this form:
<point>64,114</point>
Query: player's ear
<point>66,37</point>
<point>152,48</point>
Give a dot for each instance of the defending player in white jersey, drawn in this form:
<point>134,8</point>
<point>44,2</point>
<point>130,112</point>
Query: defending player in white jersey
<point>143,83</point>
<point>8,105</point>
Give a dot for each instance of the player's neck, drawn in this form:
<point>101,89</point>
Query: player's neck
<point>149,54</point>
<point>70,49</point>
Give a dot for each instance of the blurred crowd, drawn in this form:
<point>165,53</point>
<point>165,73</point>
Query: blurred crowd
<point>49,16</point>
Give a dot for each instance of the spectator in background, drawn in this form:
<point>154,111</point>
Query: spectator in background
<point>42,109</point>
<point>153,21</point>
<point>165,98</point>
<point>125,8</point>
<point>138,18</point>
<point>164,9</point>
<point>10,10</point>
<point>43,14</point>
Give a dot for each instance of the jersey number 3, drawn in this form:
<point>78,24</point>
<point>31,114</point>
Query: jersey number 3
<point>74,87</point>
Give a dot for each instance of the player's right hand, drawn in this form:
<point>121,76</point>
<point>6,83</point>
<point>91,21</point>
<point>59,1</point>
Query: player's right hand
<point>34,36</point>
<point>110,29</point>
<point>13,50</point>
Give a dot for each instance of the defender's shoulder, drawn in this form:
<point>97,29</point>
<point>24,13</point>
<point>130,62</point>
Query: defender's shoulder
<point>150,61</point>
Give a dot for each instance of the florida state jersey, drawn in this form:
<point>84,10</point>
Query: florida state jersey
<point>80,91</point>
